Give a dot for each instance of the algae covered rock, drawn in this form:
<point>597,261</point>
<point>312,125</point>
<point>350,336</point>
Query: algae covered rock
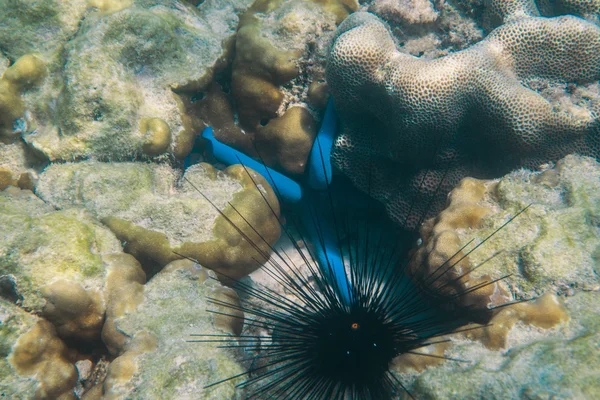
<point>57,263</point>
<point>40,27</point>
<point>34,363</point>
<point>157,361</point>
<point>55,260</point>
<point>160,216</point>
<point>561,363</point>
<point>39,31</point>
<point>548,253</point>
<point>553,245</point>
<point>121,69</point>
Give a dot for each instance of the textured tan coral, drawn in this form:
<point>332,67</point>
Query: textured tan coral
<point>429,356</point>
<point>26,72</point>
<point>157,135</point>
<point>465,114</point>
<point>289,139</point>
<point>123,368</point>
<point>279,52</point>
<point>545,312</point>
<point>124,292</point>
<point>442,249</point>
<point>77,267</point>
<point>62,279</point>
<point>160,215</point>
<point>229,253</point>
<point>551,247</point>
<point>75,311</point>
<point>41,354</point>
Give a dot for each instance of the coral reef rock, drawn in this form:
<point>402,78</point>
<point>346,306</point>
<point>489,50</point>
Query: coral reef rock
<point>424,124</point>
<point>552,246</point>
<point>157,361</point>
<point>57,264</point>
<point>116,70</point>
<point>277,80</point>
<point>561,362</point>
<point>549,253</point>
<point>161,216</point>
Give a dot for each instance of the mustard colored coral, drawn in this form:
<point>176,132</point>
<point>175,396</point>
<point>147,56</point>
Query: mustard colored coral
<point>26,72</point>
<point>36,364</point>
<point>157,136</point>
<point>552,246</point>
<point>279,51</point>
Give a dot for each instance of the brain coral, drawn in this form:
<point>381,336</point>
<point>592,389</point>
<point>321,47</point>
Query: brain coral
<point>429,123</point>
<point>498,11</point>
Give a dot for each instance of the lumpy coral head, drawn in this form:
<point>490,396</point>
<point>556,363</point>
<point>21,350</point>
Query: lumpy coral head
<point>411,127</point>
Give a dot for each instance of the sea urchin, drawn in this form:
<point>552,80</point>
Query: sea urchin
<point>328,338</point>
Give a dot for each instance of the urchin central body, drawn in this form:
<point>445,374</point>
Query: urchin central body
<point>351,346</point>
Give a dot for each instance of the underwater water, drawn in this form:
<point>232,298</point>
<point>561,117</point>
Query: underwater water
<point>299,199</point>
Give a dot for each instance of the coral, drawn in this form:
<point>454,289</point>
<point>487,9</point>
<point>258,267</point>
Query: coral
<point>160,217</point>
<point>500,11</point>
<point>124,292</point>
<point>561,362</point>
<point>545,312</point>
<point>26,72</point>
<point>63,285</point>
<point>126,66</point>
<point>157,136</point>
<point>441,248</point>
<point>279,53</point>
<point>60,264</point>
<point>34,363</point>
<point>552,247</point>
<point>429,123</point>
<point>16,165</point>
<point>157,361</point>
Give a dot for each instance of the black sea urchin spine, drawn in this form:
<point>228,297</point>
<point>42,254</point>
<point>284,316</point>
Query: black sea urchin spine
<point>312,343</point>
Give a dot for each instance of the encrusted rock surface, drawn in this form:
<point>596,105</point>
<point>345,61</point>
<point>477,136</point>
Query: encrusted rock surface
<point>55,262</point>
<point>156,360</point>
<point>537,363</point>
<point>161,217</point>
